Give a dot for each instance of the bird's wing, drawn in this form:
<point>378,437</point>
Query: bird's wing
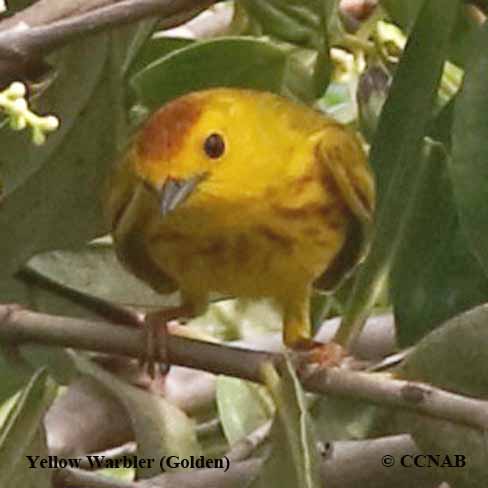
<point>127,208</point>
<point>132,252</point>
<point>344,163</point>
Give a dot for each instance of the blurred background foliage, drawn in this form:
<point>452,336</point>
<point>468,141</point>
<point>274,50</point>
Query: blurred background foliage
<point>410,76</point>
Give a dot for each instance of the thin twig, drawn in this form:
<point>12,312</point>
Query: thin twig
<point>40,40</point>
<point>244,448</point>
<point>20,326</point>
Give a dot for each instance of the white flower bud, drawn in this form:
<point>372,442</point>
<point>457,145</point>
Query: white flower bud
<point>17,90</point>
<point>20,105</point>
<point>50,123</point>
<point>38,137</point>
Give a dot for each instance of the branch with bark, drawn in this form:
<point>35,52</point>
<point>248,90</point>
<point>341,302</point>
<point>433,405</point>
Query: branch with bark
<point>19,326</point>
<point>27,37</point>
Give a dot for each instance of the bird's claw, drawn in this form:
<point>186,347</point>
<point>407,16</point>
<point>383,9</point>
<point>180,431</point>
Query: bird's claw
<point>155,332</point>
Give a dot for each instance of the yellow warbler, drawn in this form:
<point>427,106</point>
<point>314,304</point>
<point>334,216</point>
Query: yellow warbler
<point>243,193</point>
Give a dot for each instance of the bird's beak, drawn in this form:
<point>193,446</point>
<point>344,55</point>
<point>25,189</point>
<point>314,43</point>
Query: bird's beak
<point>176,191</point>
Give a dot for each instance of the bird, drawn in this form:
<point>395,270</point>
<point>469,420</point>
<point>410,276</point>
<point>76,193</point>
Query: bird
<point>241,193</point>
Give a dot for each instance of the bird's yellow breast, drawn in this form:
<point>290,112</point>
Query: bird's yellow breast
<point>253,246</point>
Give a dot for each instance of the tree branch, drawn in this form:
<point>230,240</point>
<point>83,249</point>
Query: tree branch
<point>40,40</point>
<point>47,25</point>
<point>19,326</point>
<point>46,11</point>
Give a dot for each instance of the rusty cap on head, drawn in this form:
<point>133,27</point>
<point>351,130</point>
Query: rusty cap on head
<point>162,135</point>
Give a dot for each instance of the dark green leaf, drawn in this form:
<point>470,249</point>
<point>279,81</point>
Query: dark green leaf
<point>469,171</point>
<point>404,14</point>
<point>305,23</point>
<point>95,270</point>
<point>410,104</point>
<point>293,21</point>
<point>435,275</point>
<point>395,153</point>
<point>14,374</point>
<point>53,193</point>
<point>236,62</point>
<point>155,49</point>
<point>22,427</point>
<point>15,5</point>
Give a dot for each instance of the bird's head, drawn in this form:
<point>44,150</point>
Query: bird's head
<point>219,145</point>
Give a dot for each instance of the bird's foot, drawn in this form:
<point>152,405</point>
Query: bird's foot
<point>312,354</point>
<point>155,329</point>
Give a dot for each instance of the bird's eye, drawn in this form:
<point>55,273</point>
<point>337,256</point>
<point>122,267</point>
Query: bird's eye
<point>214,146</point>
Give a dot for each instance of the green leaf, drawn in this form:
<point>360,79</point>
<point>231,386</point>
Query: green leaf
<point>236,62</point>
<point>395,153</point>
<point>404,14</point>
<point>291,21</point>
<point>410,104</point>
<point>469,172</point>
<point>15,5</point>
<point>15,374</point>
<point>308,24</point>
<point>294,459</point>
<point>160,428</point>
<point>435,275</point>
<point>453,357</point>
<point>33,478</point>
<point>243,407</point>
<point>95,270</point>
<point>22,428</point>
<point>337,418</point>
<point>52,193</point>
<point>155,49</point>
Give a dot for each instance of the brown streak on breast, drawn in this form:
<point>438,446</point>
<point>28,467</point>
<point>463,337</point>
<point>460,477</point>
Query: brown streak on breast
<point>326,211</point>
<point>300,212</point>
<point>242,248</point>
<point>336,223</point>
<point>300,184</point>
<point>166,237</point>
<point>215,248</point>
<point>163,133</point>
<point>311,231</point>
<point>322,243</point>
<point>273,236</point>
<point>290,213</point>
